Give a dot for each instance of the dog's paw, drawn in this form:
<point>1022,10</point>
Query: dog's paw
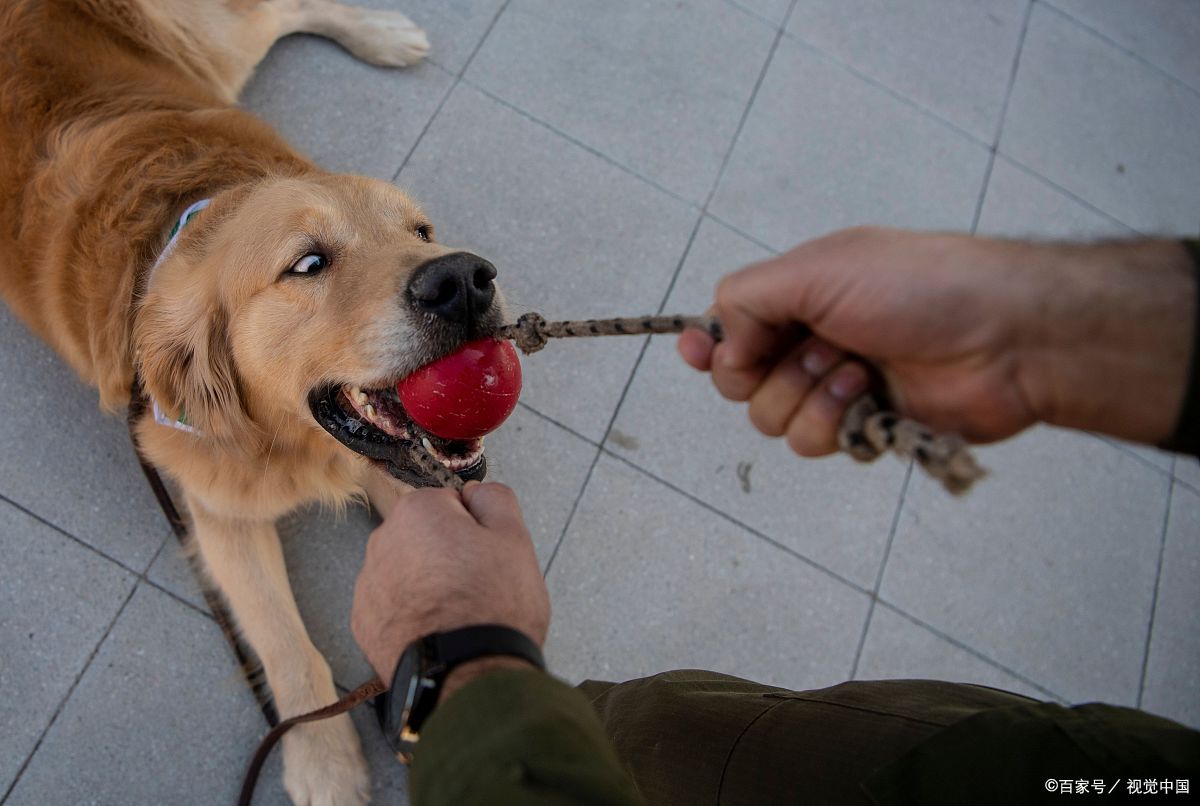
<point>386,38</point>
<point>323,764</point>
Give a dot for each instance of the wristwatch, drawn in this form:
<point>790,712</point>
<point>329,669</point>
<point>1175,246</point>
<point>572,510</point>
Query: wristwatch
<point>422,669</point>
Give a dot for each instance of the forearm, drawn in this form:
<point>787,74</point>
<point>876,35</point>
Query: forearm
<point>1108,346</point>
<point>514,736</point>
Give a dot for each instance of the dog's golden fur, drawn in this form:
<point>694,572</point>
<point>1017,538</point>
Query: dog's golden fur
<point>116,116</point>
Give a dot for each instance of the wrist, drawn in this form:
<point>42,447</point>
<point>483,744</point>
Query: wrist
<point>1107,348</point>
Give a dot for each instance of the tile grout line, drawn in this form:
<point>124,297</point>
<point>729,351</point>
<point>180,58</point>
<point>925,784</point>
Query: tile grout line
<point>595,152</point>
<point>1000,155</point>
<point>887,552</point>
<point>1128,451</point>
<point>751,13</point>
<point>555,422</point>
<point>970,650</point>
<point>70,691</point>
<point>687,249</point>
<point>1162,551</point>
<point>911,103</point>
<point>458,78</point>
<point>736,231</point>
<point>587,479</point>
<point>738,523</point>
<point>1122,48</point>
<point>80,541</point>
<point>737,132</point>
<point>1008,91</point>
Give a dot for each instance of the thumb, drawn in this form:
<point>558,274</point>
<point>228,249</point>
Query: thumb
<point>762,309</point>
<point>494,506</point>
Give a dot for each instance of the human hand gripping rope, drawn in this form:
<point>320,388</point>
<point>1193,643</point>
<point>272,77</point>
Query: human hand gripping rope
<point>868,429</point>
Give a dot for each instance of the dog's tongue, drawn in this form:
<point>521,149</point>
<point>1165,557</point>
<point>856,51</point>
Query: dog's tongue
<point>468,393</point>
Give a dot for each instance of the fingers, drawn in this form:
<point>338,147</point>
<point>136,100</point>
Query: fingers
<point>494,506</point>
<point>757,305</point>
<point>696,348</point>
<point>788,383</point>
<point>812,430</point>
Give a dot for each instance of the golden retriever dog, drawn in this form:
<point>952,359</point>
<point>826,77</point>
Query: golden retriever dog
<point>268,330</point>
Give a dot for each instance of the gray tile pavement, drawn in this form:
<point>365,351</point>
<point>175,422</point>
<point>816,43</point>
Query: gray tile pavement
<point>577,154</point>
<point>1020,204</point>
<point>77,471</point>
<point>1049,568</point>
<point>659,87</point>
<point>954,59</point>
<point>57,600</point>
<point>896,647</point>
<point>648,581</point>
<point>392,106</point>
<point>1161,32</point>
<point>1173,667</point>
<point>823,149</point>
<point>773,12</point>
<point>1106,127</point>
<point>162,694</point>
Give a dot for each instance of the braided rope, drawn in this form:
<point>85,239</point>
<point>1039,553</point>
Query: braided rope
<point>868,429</point>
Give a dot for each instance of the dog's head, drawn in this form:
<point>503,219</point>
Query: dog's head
<point>299,302</point>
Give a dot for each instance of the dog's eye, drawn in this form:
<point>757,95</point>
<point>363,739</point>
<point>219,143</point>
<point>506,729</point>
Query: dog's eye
<point>309,264</point>
<point>425,233</point>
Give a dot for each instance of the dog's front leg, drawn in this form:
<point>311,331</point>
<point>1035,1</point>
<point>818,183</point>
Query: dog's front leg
<point>323,761</point>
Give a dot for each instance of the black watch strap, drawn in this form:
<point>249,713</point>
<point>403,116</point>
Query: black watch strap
<point>468,643</point>
<point>422,670</point>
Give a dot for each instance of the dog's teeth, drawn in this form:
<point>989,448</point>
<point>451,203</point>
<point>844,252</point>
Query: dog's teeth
<point>370,411</point>
<point>427,444</point>
<point>360,396</point>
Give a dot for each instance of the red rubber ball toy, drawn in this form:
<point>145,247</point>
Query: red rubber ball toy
<point>467,394</point>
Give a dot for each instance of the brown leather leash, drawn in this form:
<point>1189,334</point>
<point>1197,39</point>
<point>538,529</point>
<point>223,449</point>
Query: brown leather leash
<point>868,430</point>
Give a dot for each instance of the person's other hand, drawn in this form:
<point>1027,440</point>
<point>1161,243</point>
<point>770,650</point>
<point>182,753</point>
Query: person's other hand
<point>441,561</point>
<point>976,336</point>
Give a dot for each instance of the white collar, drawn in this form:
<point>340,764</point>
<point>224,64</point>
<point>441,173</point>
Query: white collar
<point>160,416</point>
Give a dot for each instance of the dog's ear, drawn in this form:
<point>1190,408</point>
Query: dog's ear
<point>186,364</point>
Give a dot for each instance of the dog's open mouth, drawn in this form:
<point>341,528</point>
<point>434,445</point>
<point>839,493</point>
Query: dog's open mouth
<point>373,423</point>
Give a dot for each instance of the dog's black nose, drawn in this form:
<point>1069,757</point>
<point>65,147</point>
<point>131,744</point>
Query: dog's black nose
<point>457,287</point>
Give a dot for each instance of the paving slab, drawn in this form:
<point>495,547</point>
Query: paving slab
<point>1172,686</point>
<point>659,87</point>
<point>160,716</point>
<point>1187,470</point>
<point>954,59</point>
<point>79,473</point>
<point>1163,32</point>
<point>1047,567</point>
<point>343,113</point>
<point>899,649</point>
<point>571,235</point>
<point>673,423</point>
<point>1020,204</point>
<point>57,599</point>
<point>648,581</point>
<point>1106,127</point>
<point>822,149</point>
